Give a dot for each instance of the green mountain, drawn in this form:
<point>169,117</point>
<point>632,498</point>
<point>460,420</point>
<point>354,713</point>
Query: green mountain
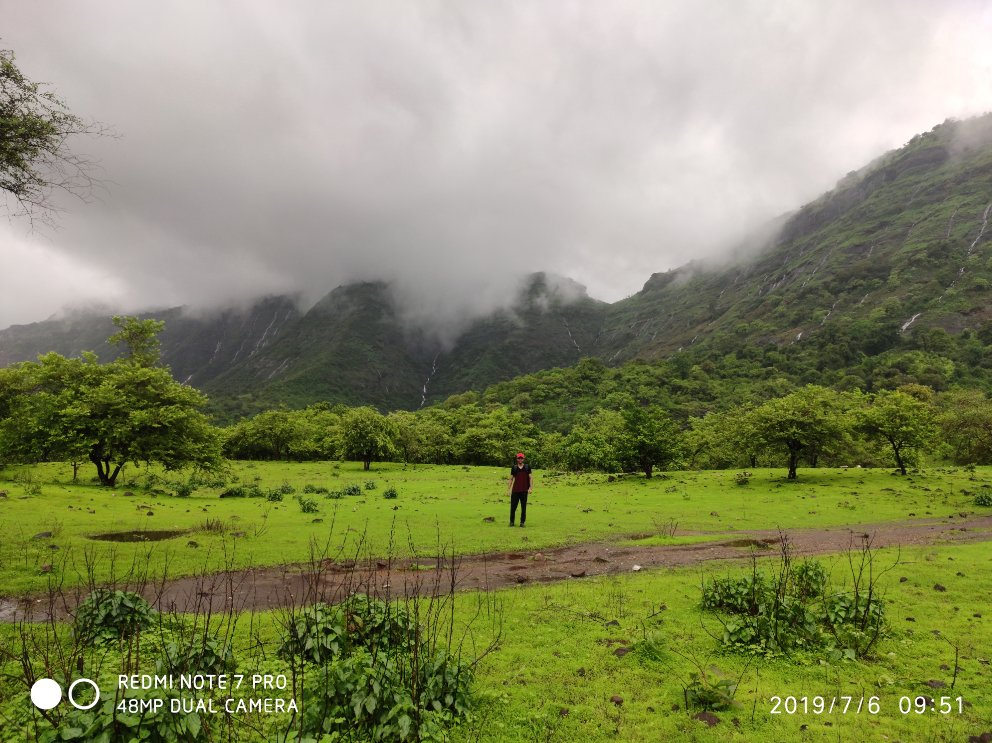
<point>895,258</point>
<point>196,346</point>
<point>354,347</point>
<point>897,247</point>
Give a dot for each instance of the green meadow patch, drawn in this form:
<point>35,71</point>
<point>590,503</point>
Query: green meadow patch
<point>52,527</point>
<point>618,658</point>
<point>636,657</point>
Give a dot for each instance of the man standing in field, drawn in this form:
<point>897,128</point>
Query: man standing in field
<point>520,485</point>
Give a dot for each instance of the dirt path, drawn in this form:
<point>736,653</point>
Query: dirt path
<point>331,579</point>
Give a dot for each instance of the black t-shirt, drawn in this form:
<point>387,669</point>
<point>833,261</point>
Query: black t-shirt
<point>521,478</point>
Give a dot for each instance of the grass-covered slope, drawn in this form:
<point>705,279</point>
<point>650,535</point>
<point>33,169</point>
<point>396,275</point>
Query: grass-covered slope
<point>898,246</point>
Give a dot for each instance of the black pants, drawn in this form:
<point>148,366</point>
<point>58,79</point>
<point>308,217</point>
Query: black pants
<point>520,498</point>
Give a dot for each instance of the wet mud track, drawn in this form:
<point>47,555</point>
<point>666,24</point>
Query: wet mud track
<point>331,579</point>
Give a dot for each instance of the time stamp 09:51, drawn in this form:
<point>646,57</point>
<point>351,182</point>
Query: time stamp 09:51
<point>844,705</point>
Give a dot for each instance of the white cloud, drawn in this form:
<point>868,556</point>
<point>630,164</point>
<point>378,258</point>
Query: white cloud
<point>37,280</point>
<point>450,146</point>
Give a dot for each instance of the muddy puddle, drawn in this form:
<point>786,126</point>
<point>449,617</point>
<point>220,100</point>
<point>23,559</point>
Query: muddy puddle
<point>140,535</point>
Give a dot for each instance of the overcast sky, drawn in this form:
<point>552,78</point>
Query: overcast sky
<point>450,147</point>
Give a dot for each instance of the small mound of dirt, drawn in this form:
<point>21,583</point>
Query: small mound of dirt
<point>139,535</point>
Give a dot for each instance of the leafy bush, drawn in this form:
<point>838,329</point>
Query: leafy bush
<point>286,489</point>
<point>795,610</point>
<point>311,489</point>
<point>110,614</point>
<point>742,478</point>
<point>374,698</point>
<point>203,479</point>
<point>370,485</point>
<point>243,491</point>
<point>185,489</point>
<point>652,646</point>
<point>984,499</point>
<point>377,679</point>
<point>275,496</point>
<point>710,691</point>
<point>353,489</point>
<point>809,579</point>
<point>315,635</point>
<point>307,505</point>
<point>106,724</point>
<point>321,632</point>
<point>200,655</point>
<point>390,492</point>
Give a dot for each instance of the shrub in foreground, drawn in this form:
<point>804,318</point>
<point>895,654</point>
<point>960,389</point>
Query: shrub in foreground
<point>794,610</point>
<point>375,677</point>
<point>109,614</point>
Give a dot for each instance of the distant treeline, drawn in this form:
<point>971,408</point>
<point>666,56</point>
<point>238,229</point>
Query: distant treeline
<point>808,426</point>
<point>751,406</point>
<point>574,417</point>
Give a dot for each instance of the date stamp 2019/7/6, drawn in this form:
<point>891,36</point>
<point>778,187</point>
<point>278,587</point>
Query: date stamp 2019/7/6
<point>847,705</point>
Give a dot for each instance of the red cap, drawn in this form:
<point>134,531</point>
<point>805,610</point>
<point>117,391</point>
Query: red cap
<point>520,455</point>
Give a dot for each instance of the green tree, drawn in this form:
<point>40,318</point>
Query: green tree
<point>806,421</point>
<point>435,436</point>
<point>493,437</point>
<point>905,422</point>
<point>112,414</point>
<point>597,442</point>
<point>274,434</point>
<point>366,435</point>
<point>35,130</point>
<point>138,338</point>
<point>966,425</point>
<point>721,439</point>
<point>650,438</point>
<point>407,435</point>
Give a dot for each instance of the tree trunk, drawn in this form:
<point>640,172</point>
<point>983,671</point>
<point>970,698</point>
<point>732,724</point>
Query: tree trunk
<point>101,473</point>
<point>793,463</point>
<point>112,478</point>
<point>103,469</point>
<point>899,463</point>
<point>648,469</point>
<point>367,461</point>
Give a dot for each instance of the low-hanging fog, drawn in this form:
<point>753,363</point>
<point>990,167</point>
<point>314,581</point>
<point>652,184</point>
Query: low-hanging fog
<point>451,147</point>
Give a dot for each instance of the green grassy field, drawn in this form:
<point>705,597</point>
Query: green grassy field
<point>555,674</point>
<point>446,504</point>
<point>557,653</point>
